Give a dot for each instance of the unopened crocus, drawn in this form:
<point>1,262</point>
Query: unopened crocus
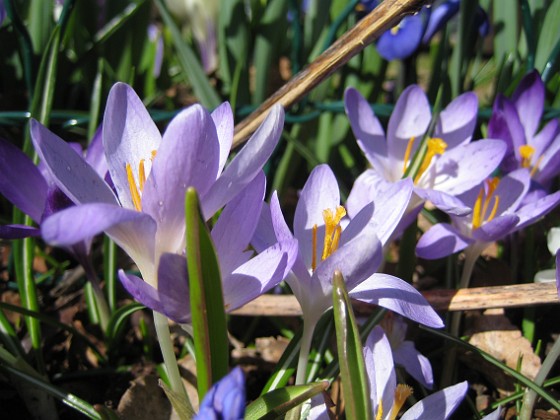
<point>451,165</point>
<point>226,399</point>
<point>327,243</point>
<point>517,122</point>
<point>244,276</point>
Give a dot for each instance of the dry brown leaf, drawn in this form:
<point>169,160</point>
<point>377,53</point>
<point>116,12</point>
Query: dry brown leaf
<point>144,400</point>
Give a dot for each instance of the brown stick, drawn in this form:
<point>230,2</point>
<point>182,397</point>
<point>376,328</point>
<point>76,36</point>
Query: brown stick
<point>382,18</point>
<point>441,300</point>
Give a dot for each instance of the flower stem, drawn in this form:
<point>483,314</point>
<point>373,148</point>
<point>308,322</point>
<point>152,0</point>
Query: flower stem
<point>169,360</point>
<point>305,346</point>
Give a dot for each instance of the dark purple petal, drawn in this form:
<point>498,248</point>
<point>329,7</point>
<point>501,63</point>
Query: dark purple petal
<point>71,172</point>
<point>528,99</point>
<point>440,241</point>
<point>439,17</point>
<point>439,405</point>
<point>21,182</point>
<point>56,201</point>
<point>496,228</point>
<point>18,231</point>
<point>403,40</point>
<point>505,124</point>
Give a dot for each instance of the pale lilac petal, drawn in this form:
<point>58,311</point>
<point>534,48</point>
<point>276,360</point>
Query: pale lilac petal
<point>378,359</point>
<point>18,231</point>
<point>95,154</point>
<point>410,118</point>
<point>494,415</point>
<point>356,260</point>
<point>529,213</point>
<point>356,225</point>
<point>368,187</point>
<point>415,363</point>
<point>72,174</point>
<point>237,223</point>
<point>223,120</point>
<point>21,182</point>
<point>542,141</point>
<point>528,99</point>
<point>188,157</point>
<point>398,296</point>
<point>246,164</point>
<point>367,128</point>
<point>258,275</point>
<point>318,410</point>
<point>264,235</point>
<point>496,228</point>
<point>466,166</point>
<point>511,190</point>
<point>320,192</point>
<point>445,202</point>
<point>457,121</point>
<point>129,137</point>
<point>440,241</point>
<point>439,405</point>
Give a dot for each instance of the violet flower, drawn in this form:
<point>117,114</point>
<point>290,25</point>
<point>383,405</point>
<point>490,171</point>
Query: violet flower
<point>452,165</point>
<point>517,121</point>
<point>497,210</point>
<point>226,399</point>
<point>244,277</point>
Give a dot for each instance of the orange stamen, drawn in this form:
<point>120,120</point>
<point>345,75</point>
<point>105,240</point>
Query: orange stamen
<point>436,146</point>
<point>136,200</point>
<point>401,394</point>
<point>407,153</point>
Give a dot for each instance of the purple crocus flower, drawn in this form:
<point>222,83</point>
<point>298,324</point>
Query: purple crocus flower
<point>517,121</point>
<point>497,210</point>
<point>244,277</point>
<point>226,399</point>
<point>145,214</point>
<point>452,165</point>
<point>2,12</point>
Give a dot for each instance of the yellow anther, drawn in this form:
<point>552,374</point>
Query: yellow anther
<point>407,153</point>
<point>483,202</point>
<point>526,153</point>
<point>535,167</point>
<point>401,394</point>
<point>141,175</point>
<point>494,209</point>
<point>134,193</point>
<point>436,146</point>
<point>154,152</point>
<point>331,227</point>
<point>395,30</point>
<point>314,248</point>
<point>379,415</point>
<point>476,222</point>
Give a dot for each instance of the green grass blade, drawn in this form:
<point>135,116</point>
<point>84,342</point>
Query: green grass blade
<point>355,386</point>
<point>40,23</point>
<point>207,303</point>
<point>549,34</point>
<point>117,322</point>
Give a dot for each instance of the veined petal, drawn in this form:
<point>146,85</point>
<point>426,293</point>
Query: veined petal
<point>320,192</point>
<point>71,172</point>
<point>466,166</point>
<point>21,182</point>
<point>223,120</point>
<point>129,137</point>
<point>397,295</point>
<point>367,129</point>
<point>439,405</point>
<point>440,241</point>
<point>415,363</point>
<point>445,202</point>
<point>18,231</point>
<point>457,121</point>
<point>246,164</point>
<point>237,223</point>
<point>528,99</point>
<point>496,228</point>
<point>410,118</point>
<point>529,213</point>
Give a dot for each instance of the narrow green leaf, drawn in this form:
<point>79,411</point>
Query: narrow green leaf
<point>549,34</point>
<point>206,298</point>
<point>355,386</point>
<point>117,322</point>
<point>192,70</point>
<point>183,410</point>
<point>278,402</point>
<point>40,23</point>
<point>506,30</point>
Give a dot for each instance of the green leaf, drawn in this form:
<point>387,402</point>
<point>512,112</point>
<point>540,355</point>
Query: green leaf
<point>549,35</point>
<point>117,322</point>
<point>184,411</point>
<point>192,70</point>
<point>40,23</point>
<point>355,386</point>
<point>206,298</point>
<point>278,402</point>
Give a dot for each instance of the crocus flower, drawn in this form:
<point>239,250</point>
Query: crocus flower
<point>2,12</point>
<point>451,165</point>
<point>145,214</point>
<point>517,121</point>
<point>497,211</point>
<point>244,277</point>
<point>226,399</point>
<point>355,250</point>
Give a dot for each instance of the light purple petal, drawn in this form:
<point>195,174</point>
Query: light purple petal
<point>549,165</point>
<point>246,164</point>
<point>416,364</point>
<point>457,121</point>
<point>543,139</point>
<point>223,120</point>
<point>440,241</point>
<point>378,359</point>
<point>18,231</point>
<point>264,235</point>
<point>496,228</point>
<point>368,187</point>
<point>410,118</point>
<point>71,172</point>
<point>397,295</point>
<point>21,182</point>
<point>320,192</point>
<point>529,213</point>
<point>95,154</point>
<point>129,137</point>
<point>367,128</point>
<point>237,223</point>
<point>528,99</point>
<point>439,405</point>
<point>466,166</point>
<point>511,190</point>
<point>445,202</point>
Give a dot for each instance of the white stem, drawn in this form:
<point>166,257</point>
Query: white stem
<point>305,346</point>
